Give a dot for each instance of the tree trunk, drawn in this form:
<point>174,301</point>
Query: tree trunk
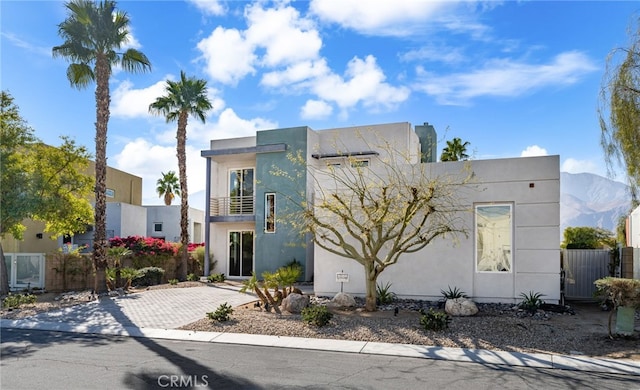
<point>100,281</point>
<point>4,274</point>
<point>371,278</point>
<point>184,194</point>
<point>102,71</point>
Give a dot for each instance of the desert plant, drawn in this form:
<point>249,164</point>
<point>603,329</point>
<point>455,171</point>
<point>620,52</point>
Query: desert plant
<point>262,291</point>
<point>620,292</point>
<point>317,315</point>
<point>222,313</point>
<point>14,301</point>
<point>454,293</point>
<point>385,296</point>
<point>192,277</point>
<point>128,274</point>
<point>110,276</point>
<point>173,282</point>
<point>216,278</point>
<point>531,302</point>
<point>434,320</point>
<point>149,276</point>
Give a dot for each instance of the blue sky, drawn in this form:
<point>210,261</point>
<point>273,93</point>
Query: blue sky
<point>513,78</point>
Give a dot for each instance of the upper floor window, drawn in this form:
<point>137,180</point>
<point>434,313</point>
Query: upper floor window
<point>270,212</point>
<point>494,238</point>
<point>359,163</point>
<point>157,227</point>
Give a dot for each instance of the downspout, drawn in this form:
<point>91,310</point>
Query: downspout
<point>207,219</point>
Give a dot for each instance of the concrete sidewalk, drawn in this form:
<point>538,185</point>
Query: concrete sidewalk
<point>157,314</point>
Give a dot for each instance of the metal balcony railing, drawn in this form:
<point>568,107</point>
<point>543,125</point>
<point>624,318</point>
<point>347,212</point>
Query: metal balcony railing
<point>234,205</point>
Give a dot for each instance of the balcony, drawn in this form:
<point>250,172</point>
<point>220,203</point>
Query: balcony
<point>232,207</point>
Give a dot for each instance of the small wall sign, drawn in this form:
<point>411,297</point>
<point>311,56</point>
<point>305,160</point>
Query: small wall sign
<point>342,277</point>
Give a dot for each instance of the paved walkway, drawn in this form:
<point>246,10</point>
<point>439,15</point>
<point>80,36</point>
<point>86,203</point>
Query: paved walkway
<point>158,314</point>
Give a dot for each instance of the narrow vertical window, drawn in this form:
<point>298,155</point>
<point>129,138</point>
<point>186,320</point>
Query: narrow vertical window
<point>493,233</point>
<point>270,212</point>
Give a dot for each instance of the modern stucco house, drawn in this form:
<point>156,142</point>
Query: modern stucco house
<point>512,214</point>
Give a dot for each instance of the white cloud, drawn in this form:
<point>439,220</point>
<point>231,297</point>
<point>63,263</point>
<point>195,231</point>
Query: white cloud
<point>286,37</point>
<point>446,54</point>
<point>130,103</point>
<point>230,125</point>
<point>398,17</point>
<point>209,7</point>
<point>572,165</point>
<point>144,159</point>
<point>228,55</point>
<point>505,77</point>
<point>534,150</point>
<point>315,109</point>
<point>364,82</point>
<point>132,41</point>
<point>302,71</point>
<point>21,43</point>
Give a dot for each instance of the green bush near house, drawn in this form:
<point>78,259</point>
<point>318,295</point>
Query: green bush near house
<point>434,320</point>
<point>317,315</point>
<point>149,276</point>
<point>222,313</point>
<point>14,301</point>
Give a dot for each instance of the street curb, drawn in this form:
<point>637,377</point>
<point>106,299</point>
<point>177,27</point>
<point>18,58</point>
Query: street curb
<point>481,356</point>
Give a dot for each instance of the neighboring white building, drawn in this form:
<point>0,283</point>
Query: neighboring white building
<point>513,220</point>
<point>164,222</point>
<point>633,228</point>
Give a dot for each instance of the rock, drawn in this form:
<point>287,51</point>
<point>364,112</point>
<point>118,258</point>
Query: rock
<point>294,303</point>
<point>460,307</point>
<point>344,300</point>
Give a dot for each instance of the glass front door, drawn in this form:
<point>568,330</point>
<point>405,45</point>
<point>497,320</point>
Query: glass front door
<point>240,253</point>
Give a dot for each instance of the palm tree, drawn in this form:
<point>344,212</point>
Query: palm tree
<point>455,150</point>
<point>168,187</point>
<point>94,34</point>
<point>183,98</point>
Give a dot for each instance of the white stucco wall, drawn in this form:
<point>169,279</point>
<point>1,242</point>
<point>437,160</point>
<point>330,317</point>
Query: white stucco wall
<point>532,186</point>
<point>634,228</point>
<point>169,216</point>
<point>126,220</point>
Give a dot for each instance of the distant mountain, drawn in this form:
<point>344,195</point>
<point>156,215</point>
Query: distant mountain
<point>587,199</point>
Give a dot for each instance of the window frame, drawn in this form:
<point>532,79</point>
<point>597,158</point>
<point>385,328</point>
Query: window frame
<point>155,227</point>
<point>506,249</point>
<point>270,212</point>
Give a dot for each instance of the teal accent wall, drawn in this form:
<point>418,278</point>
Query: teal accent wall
<point>274,250</point>
<point>428,142</point>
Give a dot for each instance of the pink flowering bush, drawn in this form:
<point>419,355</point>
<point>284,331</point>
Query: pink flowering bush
<point>145,246</point>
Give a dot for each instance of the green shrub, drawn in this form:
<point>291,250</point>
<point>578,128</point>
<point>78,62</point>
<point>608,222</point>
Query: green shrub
<point>531,302</point>
<point>15,301</point>
<point>173,282</point>
<point>453,294</point>
<point>384,295</point>
<point>128,274</point>
<point>222,313</point>
<point>193,278</point>
<point>434,320</point>
<point>216,278</point>
<point>317,315</point>
<point>149,276</point>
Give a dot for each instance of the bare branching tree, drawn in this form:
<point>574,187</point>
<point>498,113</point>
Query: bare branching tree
<point>377,209</point>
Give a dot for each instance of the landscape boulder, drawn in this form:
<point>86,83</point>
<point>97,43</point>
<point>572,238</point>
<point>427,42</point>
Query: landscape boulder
<point>460,307</point>
<point>343,300</point>
<point>294,303</point>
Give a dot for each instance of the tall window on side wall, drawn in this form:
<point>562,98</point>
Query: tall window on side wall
<point>494,237</point>
<point>270,212</point>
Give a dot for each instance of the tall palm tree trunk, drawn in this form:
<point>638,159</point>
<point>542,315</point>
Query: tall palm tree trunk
<point>102,119</point>
<point>184,194</point>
